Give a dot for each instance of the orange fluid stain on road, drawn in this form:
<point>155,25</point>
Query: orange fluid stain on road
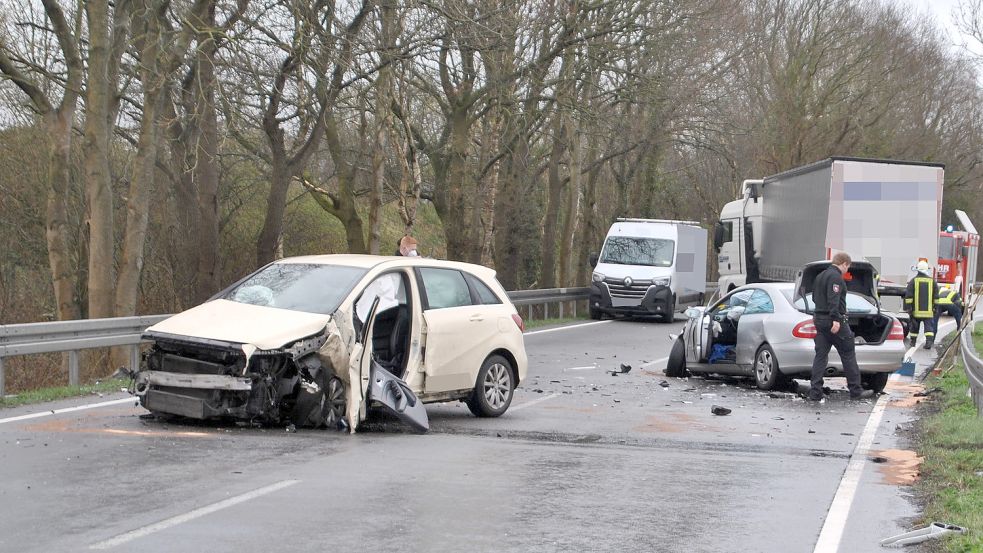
<point>84,425</point>
<point>673,422</point>
<point>901,467</point>
<point>903,394</point>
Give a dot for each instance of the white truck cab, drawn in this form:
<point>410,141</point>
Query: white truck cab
<point>737,237</point>
<point>649,267</point>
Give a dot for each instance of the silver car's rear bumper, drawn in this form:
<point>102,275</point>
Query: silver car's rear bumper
<point>795,356</point>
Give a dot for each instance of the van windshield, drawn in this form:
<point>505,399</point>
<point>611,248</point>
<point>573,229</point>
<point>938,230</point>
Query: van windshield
<point>626,250</point>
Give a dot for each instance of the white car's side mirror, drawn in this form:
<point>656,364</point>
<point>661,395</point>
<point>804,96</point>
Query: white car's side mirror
<point>693,312</point>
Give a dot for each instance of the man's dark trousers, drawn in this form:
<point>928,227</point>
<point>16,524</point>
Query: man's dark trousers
<point>843,342</point>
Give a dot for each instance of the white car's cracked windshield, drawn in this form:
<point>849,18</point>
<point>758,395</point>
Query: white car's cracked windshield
<point>625,250</point>
<point>308,287</point>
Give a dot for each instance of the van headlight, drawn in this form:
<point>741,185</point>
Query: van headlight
<point>597,277</point>
<point>664,281</point>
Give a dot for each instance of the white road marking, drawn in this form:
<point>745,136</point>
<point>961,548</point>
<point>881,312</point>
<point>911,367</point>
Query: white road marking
<point>68,410</point>
<point>533,402</point>
<point>832,532</point>
<point>190,515</point>
<point>568,327</point>
<point>656,362</point>
<point>581,368</point>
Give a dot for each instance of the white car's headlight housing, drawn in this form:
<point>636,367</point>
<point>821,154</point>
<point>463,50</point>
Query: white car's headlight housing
<point>664,281</point>
<point>597,277</point>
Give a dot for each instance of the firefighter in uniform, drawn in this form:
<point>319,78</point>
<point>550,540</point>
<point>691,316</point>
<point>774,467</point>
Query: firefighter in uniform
<point>949,302</point>
<point>833,330</point>
<point>919,302</point>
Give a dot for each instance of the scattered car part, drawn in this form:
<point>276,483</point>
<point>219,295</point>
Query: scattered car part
<point>932,531</point>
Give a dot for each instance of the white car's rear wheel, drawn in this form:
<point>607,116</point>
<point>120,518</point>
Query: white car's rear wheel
<point>493,389</point>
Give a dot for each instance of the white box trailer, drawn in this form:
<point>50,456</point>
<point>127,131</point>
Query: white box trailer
<point>886,212</point>
<point>649,267</point>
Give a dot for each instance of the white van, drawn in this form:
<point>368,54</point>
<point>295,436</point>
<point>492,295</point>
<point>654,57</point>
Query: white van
<point>649,267</point>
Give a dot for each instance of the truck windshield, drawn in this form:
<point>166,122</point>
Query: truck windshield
<point>947,247</point>
<point>626,250</point>
<point>307,287</point>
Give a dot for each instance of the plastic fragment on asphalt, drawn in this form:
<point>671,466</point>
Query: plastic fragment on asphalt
<point>719,411</point>
<point>932,531</point>
<point>664,384</point>
<point>625,367</point>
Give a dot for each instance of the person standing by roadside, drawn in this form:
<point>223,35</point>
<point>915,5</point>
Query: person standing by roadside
<point>833,330</point>
<point>407,247</point>
<point>919,302</point>
<point>949,302</point>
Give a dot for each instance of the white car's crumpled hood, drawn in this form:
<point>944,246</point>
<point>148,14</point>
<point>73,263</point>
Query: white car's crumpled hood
<point>229,321</point>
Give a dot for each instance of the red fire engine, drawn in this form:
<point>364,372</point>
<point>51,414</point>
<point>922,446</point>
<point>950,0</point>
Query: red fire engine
<point>958,251</point>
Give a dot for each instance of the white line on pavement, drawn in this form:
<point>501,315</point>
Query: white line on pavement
<point>656,362</point>
<point>568,327</point>
<point>68,410</point>
<point>534,402</point>
<point>832,532</point>
<point>190,515</point>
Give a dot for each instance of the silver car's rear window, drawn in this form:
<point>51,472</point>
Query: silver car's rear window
<point>307,287</point>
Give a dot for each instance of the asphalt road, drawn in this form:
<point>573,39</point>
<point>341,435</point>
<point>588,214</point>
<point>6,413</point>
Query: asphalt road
<point>583,461</point>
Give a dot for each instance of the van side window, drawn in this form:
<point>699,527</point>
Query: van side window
<point>445,288</point>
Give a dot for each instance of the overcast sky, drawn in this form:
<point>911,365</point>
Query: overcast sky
<point>941,10</point>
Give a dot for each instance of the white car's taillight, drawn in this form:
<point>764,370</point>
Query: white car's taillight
<point>805,329</point>
<point>897,331</point>
<point>519,322</point>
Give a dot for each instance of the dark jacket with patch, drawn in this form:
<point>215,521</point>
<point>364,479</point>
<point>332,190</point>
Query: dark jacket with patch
<point>829,294</point>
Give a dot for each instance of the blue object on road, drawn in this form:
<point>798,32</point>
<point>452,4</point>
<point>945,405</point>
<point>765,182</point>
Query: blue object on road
<point>907,367</point>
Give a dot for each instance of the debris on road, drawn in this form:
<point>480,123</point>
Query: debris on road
<point>927,393</point>
<point>664,384</point>
<point>935,530</point>
<point>811,431</point>
<point>625,367</point>
<point>878,459</point>
<point>719,411</point>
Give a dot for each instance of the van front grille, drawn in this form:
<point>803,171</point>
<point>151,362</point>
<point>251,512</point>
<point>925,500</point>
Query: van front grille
<point>618,289</point>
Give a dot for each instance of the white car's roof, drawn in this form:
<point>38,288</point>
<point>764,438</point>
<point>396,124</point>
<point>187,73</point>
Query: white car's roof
<point>388,261</point>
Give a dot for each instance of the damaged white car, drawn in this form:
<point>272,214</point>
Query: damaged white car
<point>315,341</point>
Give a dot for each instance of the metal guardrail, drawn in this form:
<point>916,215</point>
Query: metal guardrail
<point>73,336</point>
<point>973,365</point>
<point>546,296</point>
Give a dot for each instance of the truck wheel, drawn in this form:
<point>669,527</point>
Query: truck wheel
<point>676,366</point>
<point>874,381</point>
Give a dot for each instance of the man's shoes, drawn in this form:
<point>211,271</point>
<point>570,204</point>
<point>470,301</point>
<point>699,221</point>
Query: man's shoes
<point>865,394</point>
<point>929,344</point>
<point>811,397</point>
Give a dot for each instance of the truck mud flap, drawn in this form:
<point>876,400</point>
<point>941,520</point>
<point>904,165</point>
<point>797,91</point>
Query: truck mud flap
<point>392,393</point>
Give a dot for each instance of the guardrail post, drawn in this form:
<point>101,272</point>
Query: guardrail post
<point>73,368</point>
<point>561,309</point>
<point>2,378</point>
<point>135,358</point>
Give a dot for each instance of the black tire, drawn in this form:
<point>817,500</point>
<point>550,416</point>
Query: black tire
<point>670,317</point>
<point>874,381</point>
<point>595,313</point>
<point>766,372</point>
<point>676,365</point>
<point>326,407</point>
<point>493,389</point>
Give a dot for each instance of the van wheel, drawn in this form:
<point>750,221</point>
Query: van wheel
<point>676,366</point>
<point>670,317</point>
<point>595,313</point>
<point>874,381</point>
<point>766,373</point>
<point>493,390</point>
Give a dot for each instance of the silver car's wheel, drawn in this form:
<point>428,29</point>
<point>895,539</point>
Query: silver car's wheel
<point>766,372</point>
<point>493,389</point>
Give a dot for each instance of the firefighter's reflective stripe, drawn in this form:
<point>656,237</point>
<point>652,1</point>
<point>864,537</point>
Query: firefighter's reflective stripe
<point>947,298</point>
<point>923,306</point>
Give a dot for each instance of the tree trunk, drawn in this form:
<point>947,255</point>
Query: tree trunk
<point>97,131</point>
<point>63,275</point>
<point>547,271</point>
<point>269,236</point>
<point>450,197</point>
<point>206,175</point>
<point>568,272</point>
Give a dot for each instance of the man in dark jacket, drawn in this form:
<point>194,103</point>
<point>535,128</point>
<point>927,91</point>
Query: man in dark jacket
<point>833,329</point>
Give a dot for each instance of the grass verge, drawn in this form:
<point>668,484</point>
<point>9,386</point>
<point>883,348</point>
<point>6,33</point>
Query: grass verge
<point>539,323</point>
<point>951,443</point>
<point>43,395</point>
